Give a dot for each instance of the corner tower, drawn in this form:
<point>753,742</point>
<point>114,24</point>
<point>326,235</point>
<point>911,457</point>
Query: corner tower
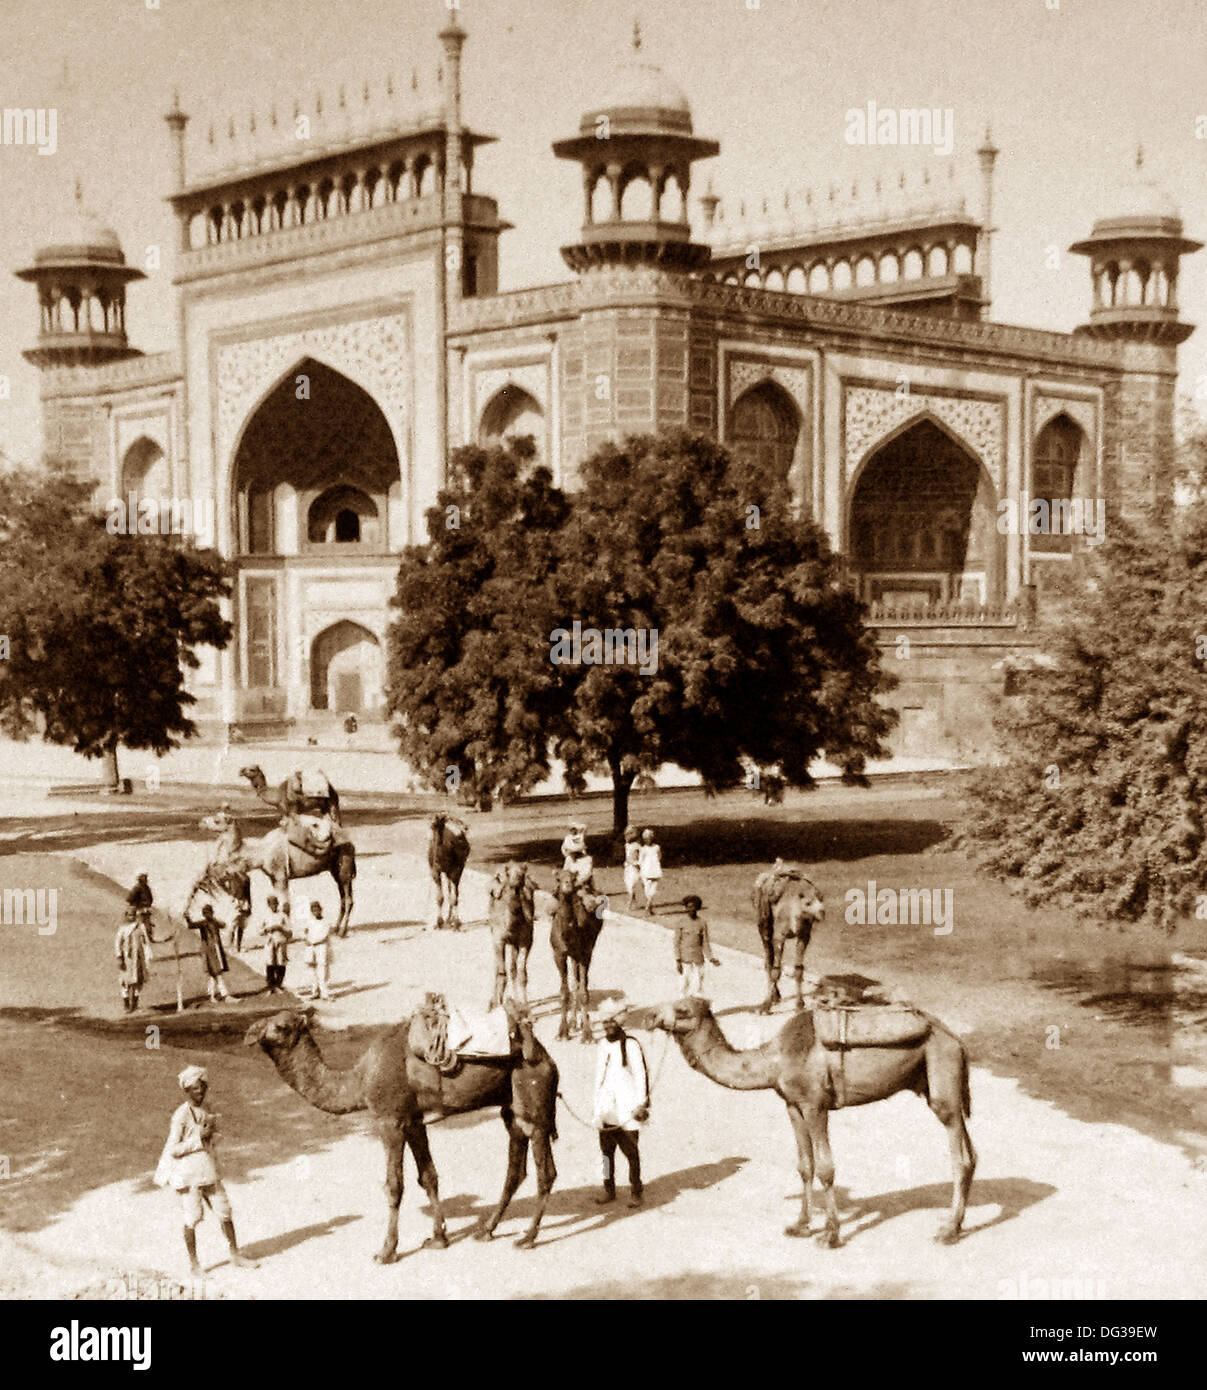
<point>636,147</point>
<point>81,275</point>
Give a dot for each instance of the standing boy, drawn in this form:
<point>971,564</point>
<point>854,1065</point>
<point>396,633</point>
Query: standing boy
<point>276,946</point>
<point>649,864</point>
<point>133,951</point>
<point>188,1165</point>
<point>213,953</point>
<point>318,951</point>
<point>632,870</point>
<point>692,946</point>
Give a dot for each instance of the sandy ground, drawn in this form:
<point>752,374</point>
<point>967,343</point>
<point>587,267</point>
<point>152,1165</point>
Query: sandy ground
<point>1059,1207</point>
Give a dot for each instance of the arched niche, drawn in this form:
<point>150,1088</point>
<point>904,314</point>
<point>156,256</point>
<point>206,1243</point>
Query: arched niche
<point>345,670</point>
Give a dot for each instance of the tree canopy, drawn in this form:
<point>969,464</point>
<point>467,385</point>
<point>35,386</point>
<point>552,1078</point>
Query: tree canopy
<point>101,627</point>
<point>1096,803</point>
<point>739,645</point>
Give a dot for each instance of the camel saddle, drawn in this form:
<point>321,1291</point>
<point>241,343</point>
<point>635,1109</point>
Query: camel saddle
<point>442,1036</point>
<point>842,1026</point>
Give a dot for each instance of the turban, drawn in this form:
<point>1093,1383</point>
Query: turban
<point>611,1010</point>
<point>191,1075</point>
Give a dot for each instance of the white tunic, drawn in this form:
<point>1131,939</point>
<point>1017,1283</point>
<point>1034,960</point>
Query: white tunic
<point>620,1089</point>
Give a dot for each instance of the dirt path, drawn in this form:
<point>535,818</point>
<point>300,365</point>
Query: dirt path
<point>1059,1205</point>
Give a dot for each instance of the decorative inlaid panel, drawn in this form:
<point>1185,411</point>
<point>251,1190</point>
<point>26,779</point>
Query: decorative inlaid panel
<point>795,380</point>
<point>872,412</point>
<point>373,352</point>
<point>1083,412</point>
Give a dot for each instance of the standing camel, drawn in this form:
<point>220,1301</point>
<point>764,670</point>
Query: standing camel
<point>813,1079</point>
<point>512,911</point>
<point>788,907</point>
<point>447,851</point>
<point>281,861</point>
<point>573,932</point>
<point>397,1086</point>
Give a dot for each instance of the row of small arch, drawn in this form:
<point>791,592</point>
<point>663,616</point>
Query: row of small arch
<point>823,277</point>
<point>1134,284</point>
<point>333,196</point>
<point>637,194</point>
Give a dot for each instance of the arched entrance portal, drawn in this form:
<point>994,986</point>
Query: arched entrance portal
<point>923,524</point>
<point>345,670</point>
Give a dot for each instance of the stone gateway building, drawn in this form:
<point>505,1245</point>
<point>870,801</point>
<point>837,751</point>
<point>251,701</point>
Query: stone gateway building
<point>341,329</point>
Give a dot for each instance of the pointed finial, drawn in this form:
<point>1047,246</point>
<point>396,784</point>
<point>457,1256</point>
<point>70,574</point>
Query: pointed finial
<point>272,116</point>
<point>230,129</point>
<point>251,123</point>
<point>342,105</point>
<point>637,36</point>
<point>210,137</point>
<point>365,92</point>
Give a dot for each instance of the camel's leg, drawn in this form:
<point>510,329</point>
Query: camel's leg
<point>417,1139</point>
<point>803,932</point>
<point>454,903</point>
<point>582,996</point>
<point>438,884</point>
<point>395,1144</point>
<point>949,1111</point>
<point>517,1170</point>
<point>500,951</point>
<point>824,1156</point>
<point>521,975</point>
<point>546,1176</point>
<point>775,956</point>
<point>343,882</point>
<point>804,1164</point>
<point>563,969</point>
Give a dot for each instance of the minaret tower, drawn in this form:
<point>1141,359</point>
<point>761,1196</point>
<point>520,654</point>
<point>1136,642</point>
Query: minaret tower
<point>987,157</point>
<point>81,275</point>
<point>1134,257</point>
<point>640,130</point>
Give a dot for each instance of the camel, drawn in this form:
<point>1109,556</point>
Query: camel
<point>814,1079</point>
<point>447,851</point>
<point>788,907</point>
<point>574,930</point>
<point>397,1087</point>
<point>288,799</point>
<point>512,911</point>
<point>281,861</point>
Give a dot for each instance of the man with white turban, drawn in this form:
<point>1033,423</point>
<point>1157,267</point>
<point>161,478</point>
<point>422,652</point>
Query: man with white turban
<point>188,1165</point>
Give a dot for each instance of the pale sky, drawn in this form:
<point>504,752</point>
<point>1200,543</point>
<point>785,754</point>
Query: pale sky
<point>1070,92</point>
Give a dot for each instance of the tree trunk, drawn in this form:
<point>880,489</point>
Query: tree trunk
<point>113,781</point>
<point>620,801</point>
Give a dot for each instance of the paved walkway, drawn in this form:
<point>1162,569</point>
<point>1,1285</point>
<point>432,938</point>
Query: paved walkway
<point>1058,1205</point>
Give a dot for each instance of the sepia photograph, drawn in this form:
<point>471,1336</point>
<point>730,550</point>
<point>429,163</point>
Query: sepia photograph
<point>603,663</point>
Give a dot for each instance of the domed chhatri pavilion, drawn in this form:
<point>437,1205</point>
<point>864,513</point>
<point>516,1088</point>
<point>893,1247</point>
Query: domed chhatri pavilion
<point>341,330</point>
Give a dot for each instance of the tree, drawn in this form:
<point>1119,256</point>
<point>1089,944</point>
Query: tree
<point>1095,804</point>
<point>469,678</point>
<point>675,609</point>
<point>101,626</point>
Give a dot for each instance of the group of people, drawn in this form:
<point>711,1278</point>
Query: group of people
<point>643,868</point>
<point>189,1162</point>
<point>135,935</point>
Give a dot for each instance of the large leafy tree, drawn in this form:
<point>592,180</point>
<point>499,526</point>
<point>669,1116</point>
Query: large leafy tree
<point>762,658</point>
<point>1096,803</point>
<point>469,678</point>
<point>101,627</point>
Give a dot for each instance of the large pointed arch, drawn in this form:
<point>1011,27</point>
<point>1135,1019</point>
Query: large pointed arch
<point>763,427</point>
<point>921,519</point>
<point>315,429</point>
